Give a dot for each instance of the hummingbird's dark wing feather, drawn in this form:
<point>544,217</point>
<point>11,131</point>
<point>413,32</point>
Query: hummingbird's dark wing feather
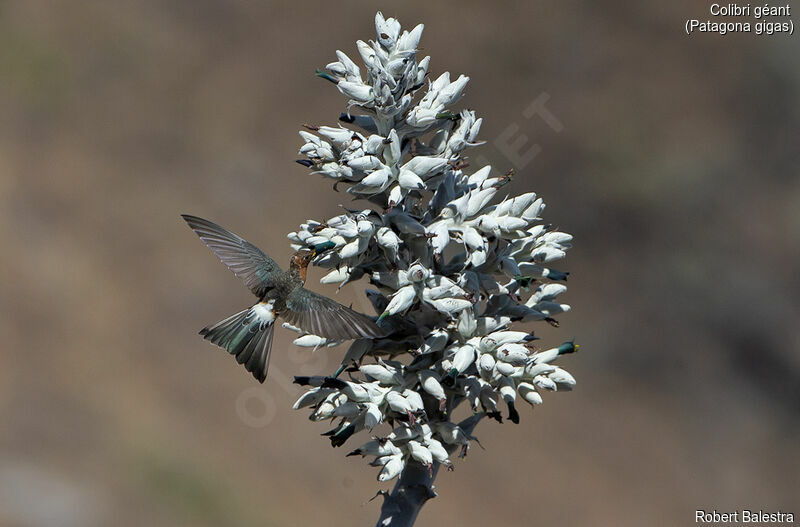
<point>322,316</point>
<point>259,272</point>
<point>247,335</point>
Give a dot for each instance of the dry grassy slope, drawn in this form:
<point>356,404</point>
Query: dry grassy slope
<point>676,171</point>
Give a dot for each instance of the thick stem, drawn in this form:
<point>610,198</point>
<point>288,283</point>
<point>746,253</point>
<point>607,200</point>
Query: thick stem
<point>415,487</point>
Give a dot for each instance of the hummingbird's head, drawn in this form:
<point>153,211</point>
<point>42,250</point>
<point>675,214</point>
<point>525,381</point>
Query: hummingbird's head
<point>300,261</point>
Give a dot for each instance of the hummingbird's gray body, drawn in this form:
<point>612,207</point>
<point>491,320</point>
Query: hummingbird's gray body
<point>248,334</point>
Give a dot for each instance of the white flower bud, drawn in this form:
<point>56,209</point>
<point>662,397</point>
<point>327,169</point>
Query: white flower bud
<point>504,337</point>
<point>533,369</point>
<point>529,393</point>
<point>361,93</point>
<point>472,238</point>
<point>372,416</point>
<point>440,235</point>
<point>547,253</point>
<point>479,176</point>
<point>409,40</point>
<point>421,117</point>
<point>401,300</point>
<point>420,453</point>
<point>474,130</point>
<point>310,341</point>
<point>545,356</point>
<point>350,250</point>
<point>556,237</point>
<point>389,242</point>
<point>429,381</point>
<point>489,224</point>
<point>366,162</point>
<point>463,358</point>
<point>507,391</point>
<point>409,180</point>
<point>392,468</point>
<point>357,392</point>
<point>450,305</point>
<point>486,366</point>
<point>367,54</point>
<point>466,323</point>
<point>532,212</point>
<point>353,72</point>
<point>290,327</point>
<point>545,383</point>
<point>514,353</point>
<point>452,92</point>
<point>478,200</point>
<point>336,275</point>
<point>377,448</point>
<point>387,30</point>
<point>312,397</point>
<point>560,376</point>
<point>380,373</point>
<point>397,402</point>
<point>438,451</point>
<point>425,166</point>
<point>504,368</point>
<point>414,400</point>
<point>510,223</point>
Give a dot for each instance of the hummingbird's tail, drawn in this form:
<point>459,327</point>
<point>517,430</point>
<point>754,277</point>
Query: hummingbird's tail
<point>248,336</point>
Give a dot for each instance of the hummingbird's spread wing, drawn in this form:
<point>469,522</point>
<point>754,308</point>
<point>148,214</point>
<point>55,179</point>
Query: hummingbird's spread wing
<point>259,272</point>
<point>322,316</point>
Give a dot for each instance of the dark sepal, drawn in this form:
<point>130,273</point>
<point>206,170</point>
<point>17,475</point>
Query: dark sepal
<point>327,77</point>
<point>305,162</point>
<point>447,114</point>
<point>495,415</point>
<point>315,381</point>
<point>450,378</point>
<point>324,246</point>
<point>422,361</point>
<point>524,281</point>
<point>338,371</point>
<point>513,415</point>
<point>568,347</point>
<point>339,438</point>
<point>331,382</point>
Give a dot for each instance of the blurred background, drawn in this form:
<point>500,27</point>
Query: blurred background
<point>672,159</point>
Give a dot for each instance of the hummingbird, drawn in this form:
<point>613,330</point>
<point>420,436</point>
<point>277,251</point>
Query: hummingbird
<point>247,335</point>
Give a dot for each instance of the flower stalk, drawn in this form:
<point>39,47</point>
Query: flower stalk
<point>455,265</point>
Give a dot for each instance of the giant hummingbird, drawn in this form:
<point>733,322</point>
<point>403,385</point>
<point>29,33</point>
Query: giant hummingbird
<point>247,335</point>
